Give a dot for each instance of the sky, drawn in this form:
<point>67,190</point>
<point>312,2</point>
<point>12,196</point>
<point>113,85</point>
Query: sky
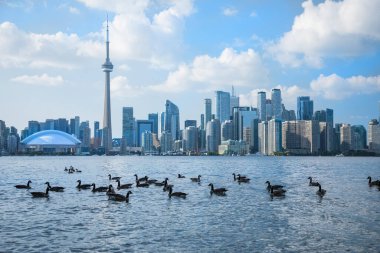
<point>51,54</point>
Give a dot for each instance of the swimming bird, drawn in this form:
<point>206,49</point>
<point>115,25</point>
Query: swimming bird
<point>166,185</point>
<point>196,179</point>
<point>55,188</point>
<point>277,193</point>
<point>275,187</point>
<point>181,176</point>
<point>140,179</point>
<point>372,183</point>
<point>23,186</point>
<point>79,171</point>
<point>41,194</point>
<point>311,183</point>
<point>110,190</point>
<point>113,178</point>
<point>161,183</point>
<point>99,189</point>
<point>217,191</point>
<point>150,181</point>
<point>242,179</point>
<point>81,186</point>
<point>321,192</point>
<point>176,194</point>
<point>138,184</point>
<point>123,186</point>
<point>119,197</point>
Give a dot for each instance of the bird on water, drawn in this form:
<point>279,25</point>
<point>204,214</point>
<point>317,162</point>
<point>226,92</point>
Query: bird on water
<point>217,191</point>
<point>119,197</point>
<point>55,188</point>
<point>23,186</point>
<point>41,194</point>
<point>176,194</point>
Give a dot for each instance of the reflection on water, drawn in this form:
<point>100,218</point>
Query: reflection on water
<point>245,220</point>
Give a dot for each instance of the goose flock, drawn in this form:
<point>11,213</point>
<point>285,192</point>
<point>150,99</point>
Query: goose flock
<point>274,190</point>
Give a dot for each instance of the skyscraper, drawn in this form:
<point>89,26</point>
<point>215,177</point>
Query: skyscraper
<point>128,127</point>
<point>374,136</point>
<point>304,108</point>
<point>261,105</point>
<point>274,136</point>
<point>213,135</point>
<point>202,121</point>
<point>345,137</point>
<point>141,127</point>
<point>222,105</point>
<point>190,139</point>
<point>207,110</point>
<point>107,128</point>
<point>190,122</point>
<point>154,117</point>
<point>276,103</point>
<point>172,119</point>
<point>234,101</point>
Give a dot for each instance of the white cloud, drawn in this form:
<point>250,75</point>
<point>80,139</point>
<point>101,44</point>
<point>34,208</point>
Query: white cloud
<point>41,80</point>
<point>120,87</point>
<point>330,29</point>
<point>205,73</point>
<point>74,10</point>
<point>229,11</point>
<point>336,87</point>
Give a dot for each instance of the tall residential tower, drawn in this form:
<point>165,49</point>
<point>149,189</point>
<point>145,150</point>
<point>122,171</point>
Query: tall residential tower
<point>107,128</point>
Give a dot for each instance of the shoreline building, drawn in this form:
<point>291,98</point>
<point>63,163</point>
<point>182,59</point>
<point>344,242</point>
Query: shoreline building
<point>374,136</point>
<point>222,105</point>
<point>107,127</point>
<point>171,120</point>
<point>261,105</point>
<point>213,135</point>
<point>129,122</point>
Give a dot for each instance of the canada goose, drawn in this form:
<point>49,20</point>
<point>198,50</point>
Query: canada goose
<point>79,171</point>
<point>138,184</point>
<point>119,197</point>
<point>321,192</point>
<point>275,187</point>
<point>196,179</point>
<point>311,183</point>
<point>141,179</point>
<point>176,194</point>
<point>166,185</point>
<point>372,183</point>
<point>41,194</point>
<point>55,188</point>
<point>123,186</point>
<point>23,186</point>
<point>113,178</point>
<point>110,190</point>
<point>150,181</point>
<point>181,176</point>
<point>83,186</point>
<point>234,176</point>
<point>99,189</point>
<point>242,179</point>
<point>161,183</point>
<point>217,191</point>
<point>277,193</point>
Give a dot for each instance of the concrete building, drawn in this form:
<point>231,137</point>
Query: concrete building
<point>301,137</point>
<point>129,131</point>
<point>232,147</point>
<point>345,137</point>
<point>274,136</point>
<point>141,127</point>
<point>227,130</point>
<point>147,142</point>
<point>359,137</point>
<point>374,136</point>
<point>190,122</point>
<point>208,110</point>
<point>190,140</point>
<point>261,105</point>
<point>276,104</point>
<point>172,119</point>
<point>213,136</point>
<point>166,142</point>
<point>304,108</point>
<point>263,137</point>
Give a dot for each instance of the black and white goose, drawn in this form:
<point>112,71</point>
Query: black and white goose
<point>23,186</point>
<point>81,186</point>
<point>119,197</point>
<point>217,191</point>
<point>41,194</point>
<point>99,189</point>
<point>311,183</point>
<point>123,186</point>
<point>176,194</point>
<point>55,188</point>
<point>321,192</point>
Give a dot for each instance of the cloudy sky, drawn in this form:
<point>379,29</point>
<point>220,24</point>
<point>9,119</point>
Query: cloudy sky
<point>51,53</point>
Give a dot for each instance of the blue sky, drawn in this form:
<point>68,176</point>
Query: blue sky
<point>51,52</point>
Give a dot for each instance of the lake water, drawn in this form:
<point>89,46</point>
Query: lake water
<point>346,219</point>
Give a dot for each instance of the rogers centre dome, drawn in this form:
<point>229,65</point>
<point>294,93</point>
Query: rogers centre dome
<point>51,141</point>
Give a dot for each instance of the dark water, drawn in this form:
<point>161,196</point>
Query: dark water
<point>347,219</point>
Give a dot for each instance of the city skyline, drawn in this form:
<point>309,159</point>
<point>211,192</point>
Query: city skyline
<point>53,67</point>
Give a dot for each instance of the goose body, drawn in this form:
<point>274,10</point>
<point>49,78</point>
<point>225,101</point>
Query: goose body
<point>217,191</point>
<point>23,186</point>
<point>176,194</point>
<point>113,178</point>
<point>55,188</point>
<point>311,183</point>
<point>321,192</point>
<point>119,197</point>
<point>99,189</point>
<point>41,194</point>
<point>242,179</point>
<point>196,179</point>
<point>110,190</point>
<point>123,186</point>
<point>166,185</point>
<point>81,186</point>
<point>181,176</point>
<point>138,184</point>
<point>372,183</point>
<point>161,183</point>
<point>277,193</point>
<point>142,179</point>
<point>275,187</point>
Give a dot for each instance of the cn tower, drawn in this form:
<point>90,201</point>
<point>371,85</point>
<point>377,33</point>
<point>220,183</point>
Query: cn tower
<point>107,127</point>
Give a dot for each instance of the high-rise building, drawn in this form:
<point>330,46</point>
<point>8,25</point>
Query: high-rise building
<point>166,142</point>
<point>227,130</point>
<point>172,119</point>
<point>276,104</point>
<point>326,137</point>
<point>213,135</point>
<point>61,125</point>
<point>162,125</point>
<point>85,136</point>
<point>345,137</point>
<point>261,105</point>
<point>107,127</point>
<point>129,127</point>
<point>288,115</point>
<point>97,135</point>
<point>141,127</point>
<point>190,139</point>
<point>304,108</point>
<point>263,137</point>
<point>2,135</point>
<point>234,101</point>
<point>301,136</point>
<point>96,129</point>
<point>374,136</point>
<point>202,121</point>
<point>274,136</point>
<point>208,110</point>
<point>147,142</point>
<point>190,122</point>
<point>358,137</point>
<point>154,117</point>
<point>268,105</point>
<point>33,127</point>
<point>222,105</point>
<point>76,124</point>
